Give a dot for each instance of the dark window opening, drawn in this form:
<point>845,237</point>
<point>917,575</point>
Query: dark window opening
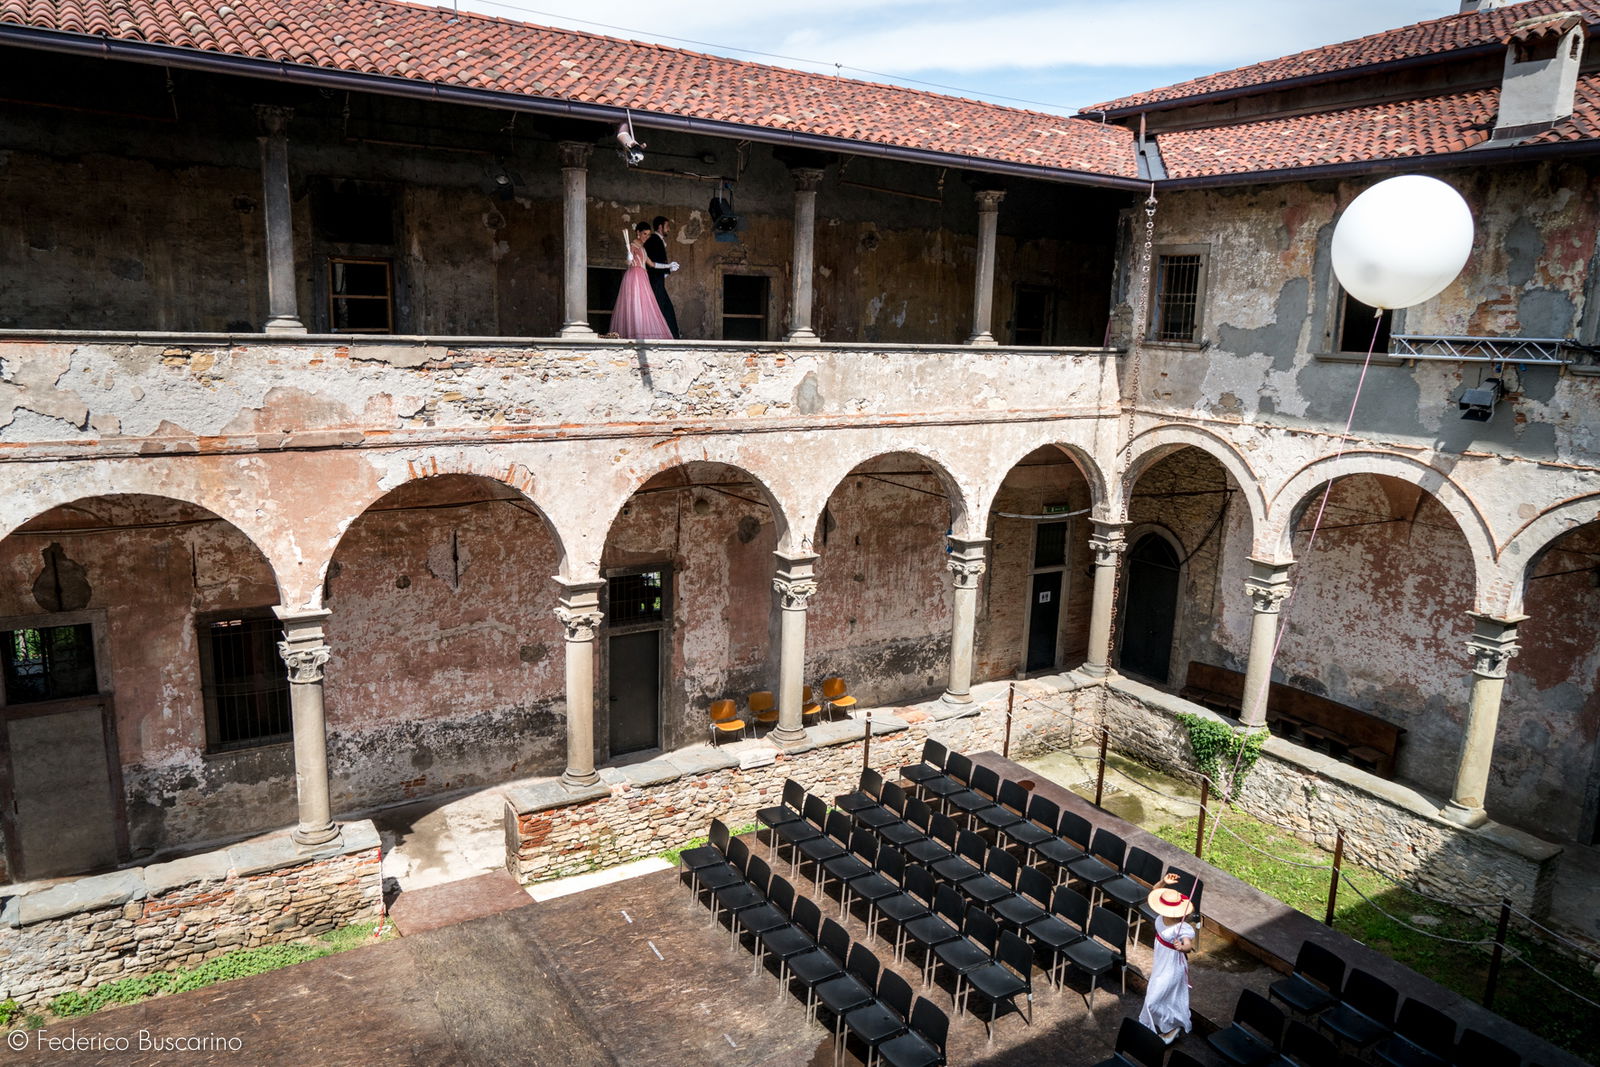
<point>744,307</point>
<point>360,295</point>
<point>604,283</point>
<point>1030,315</point>
<point>50,663</point>
<point>355,213</point>
<point>244,681</point>
<point>634,598</point>
<point>1176,306</point>
<point>1050,544</point>
<point>1355,327</point>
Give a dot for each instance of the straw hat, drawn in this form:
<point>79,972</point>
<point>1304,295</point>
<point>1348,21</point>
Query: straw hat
<point>1169,901</point>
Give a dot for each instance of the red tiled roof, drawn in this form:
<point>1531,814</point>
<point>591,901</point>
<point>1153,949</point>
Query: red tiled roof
<point>384,37</point>
<point>1434,37</point>
<point>1436,125</point>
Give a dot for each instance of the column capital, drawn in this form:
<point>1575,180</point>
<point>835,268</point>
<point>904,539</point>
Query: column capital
<point>1108,541</point>
<point>274,119</point>
<point>1267,586</point>
<point>967,560</point>
<point>1493,644</point>
<point>795,580</point>
<point>581,623</point>
<point>303,648</point>
<point>806,179</point>
<point>574,154</point>
<point>989,199</point>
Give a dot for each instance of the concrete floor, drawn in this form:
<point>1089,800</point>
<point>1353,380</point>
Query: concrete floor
<point>442,839</point>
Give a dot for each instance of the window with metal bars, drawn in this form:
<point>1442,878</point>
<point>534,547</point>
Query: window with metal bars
<point>1175,304</point>
<point>636,598</point>
<point>49,663</point>
<point>244,681</point>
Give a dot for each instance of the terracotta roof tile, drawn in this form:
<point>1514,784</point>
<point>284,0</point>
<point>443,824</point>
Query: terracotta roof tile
<point>434,44</point>
<point>1434,37</point>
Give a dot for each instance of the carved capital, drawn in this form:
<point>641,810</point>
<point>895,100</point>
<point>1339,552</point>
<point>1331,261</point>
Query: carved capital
<point>1491,662</point>
<point>574,154</point>
<point>966,571</point>
<point>1493,644</point>
<point>304,661</point>
<point>806,179</point>
<point>1266,599</point>
<point>274,119</point>
<point>796,592</point>
<point>582,624</point>
<point>989,199</point>
<point>1107,546</point>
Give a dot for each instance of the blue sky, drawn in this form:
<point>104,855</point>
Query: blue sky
<point>1058,56</point>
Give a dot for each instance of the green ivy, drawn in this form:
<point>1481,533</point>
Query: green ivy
<point>9,1009</point>
<point>1222,754</point>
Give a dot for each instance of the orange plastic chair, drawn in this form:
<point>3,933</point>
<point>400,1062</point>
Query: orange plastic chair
<point>810,709</point>
<point>833,691</point>
<point>763,707</point>
<point>725,720</point>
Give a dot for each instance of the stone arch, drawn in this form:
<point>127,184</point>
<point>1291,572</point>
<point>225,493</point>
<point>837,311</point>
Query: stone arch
<point>1154,445</point>
<point>1080,457</point>
<point>1287,502</point>
<point>1520,554</point>
<point>961,515</point>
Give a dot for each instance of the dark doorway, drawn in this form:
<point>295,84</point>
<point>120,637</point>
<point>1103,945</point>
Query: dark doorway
<point>1149,608</point>
<point>635,691</point>
<point>637,610</point>
<point>1044,620</point>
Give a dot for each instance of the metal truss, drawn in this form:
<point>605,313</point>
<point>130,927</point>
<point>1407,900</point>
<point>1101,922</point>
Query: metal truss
<point>1544,351</point>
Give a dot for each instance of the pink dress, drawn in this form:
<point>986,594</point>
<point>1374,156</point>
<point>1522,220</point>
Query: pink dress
<point>637,315</point>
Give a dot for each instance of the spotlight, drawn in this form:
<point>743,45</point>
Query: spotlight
<point>1477,405</point>
<point>630,147</point>
<point>724,223</point>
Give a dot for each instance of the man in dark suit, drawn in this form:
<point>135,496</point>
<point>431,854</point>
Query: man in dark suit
<point>659,266</point>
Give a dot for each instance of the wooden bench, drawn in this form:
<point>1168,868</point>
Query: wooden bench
<point>1346,733</point>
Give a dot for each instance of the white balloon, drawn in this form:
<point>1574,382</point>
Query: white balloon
<point>1402,241</point>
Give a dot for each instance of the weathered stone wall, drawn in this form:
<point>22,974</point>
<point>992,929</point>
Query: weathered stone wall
<point>1388,827</point>
<point>78,935</point>
<point>647,808</point>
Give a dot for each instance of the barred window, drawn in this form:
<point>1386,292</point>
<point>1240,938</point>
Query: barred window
<point>1179,288</point>
<point>636,598</point>
<point>49,663</point>
<point>244,681</point>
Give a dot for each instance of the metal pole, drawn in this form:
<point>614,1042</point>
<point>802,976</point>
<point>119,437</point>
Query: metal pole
<point>1100,781</point>
<point>1499,952</point>
<point>866,744</point>
<point>1011,698</point>
<point>1205,802</point>
<point>1333,881</point>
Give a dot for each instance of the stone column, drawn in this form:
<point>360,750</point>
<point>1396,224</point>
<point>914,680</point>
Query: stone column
<point>806,180</point>
<point>1108,541</point>
<point>966,562</point>
<point>795,585</point>
<point>1493,643</point>
<point>575,233</point>
<point>305,652</point>
<point>983,294</point>
<point>277,209</point>
<point>1268,587</point>
<point>579,612</point>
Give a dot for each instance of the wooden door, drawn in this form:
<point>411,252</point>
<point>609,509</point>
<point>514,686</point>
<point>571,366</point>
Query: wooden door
<point>1150,608</point>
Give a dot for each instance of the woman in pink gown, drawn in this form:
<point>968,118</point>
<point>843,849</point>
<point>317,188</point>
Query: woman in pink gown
<point>637,315</point>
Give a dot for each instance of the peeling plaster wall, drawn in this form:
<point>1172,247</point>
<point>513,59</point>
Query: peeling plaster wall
<point>151,565</point>
<point>446,668</point>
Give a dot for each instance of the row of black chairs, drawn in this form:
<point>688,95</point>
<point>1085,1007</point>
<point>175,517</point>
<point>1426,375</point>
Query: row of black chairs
<point>1139,1046</point>
<point>1067,840</point>
<point>872,1004</point>
<point>1358,1009</point>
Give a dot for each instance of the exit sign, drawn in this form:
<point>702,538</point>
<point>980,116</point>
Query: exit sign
<point>1057,509</point>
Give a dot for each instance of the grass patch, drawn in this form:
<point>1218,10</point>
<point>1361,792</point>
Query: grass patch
<point>240,963</point>
<point>671,855</point>
<point>1523,997</point>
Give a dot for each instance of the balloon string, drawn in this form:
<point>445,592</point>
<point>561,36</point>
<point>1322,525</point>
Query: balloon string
<point>1327,490</point>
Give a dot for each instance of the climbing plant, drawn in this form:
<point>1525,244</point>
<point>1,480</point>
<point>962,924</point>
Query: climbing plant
<point>1222,754</point>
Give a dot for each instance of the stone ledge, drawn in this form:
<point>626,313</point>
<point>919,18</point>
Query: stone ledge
<point>271,852</point>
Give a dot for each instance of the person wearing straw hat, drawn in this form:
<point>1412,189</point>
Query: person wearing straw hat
<point>1166,997</point>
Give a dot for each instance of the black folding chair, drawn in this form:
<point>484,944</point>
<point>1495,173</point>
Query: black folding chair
<point>1069,911</point>
<point>998,880</point>
<point>957,773</point>
<point>1304,1047</point>
<point>974,948</point>
<point>912,902</point>
<point>880,883</point>
<point>980,794</point>
<point>712,854</point>
<point>790,810</point>
<point>1007,810</point>
<point>1029,904</point>
<point>941,924</point>
<point>941,835</point>
<point>1423,1036</point>
<point>1137,1046</point>
<point>774,913</point>
<point>883,1019</point>
<point>826,961</point>
<point>723,875</point>
<point>810,827</point>
<point>865,796</point>
<point>746,894</point>
<point>786,942</point>
<point>1252,1040</point>
<point>829,846</point>
<point>923,1045</point>
<point>1004,979</point>
<point>1102,864</point>
<point>932,766</point>
<point>1040,825</point>
<point>1104,947</point>
<point>1314,985</point>
<point>855,987</point>
<point>1067,846</point>
<point>1140,871</point>
<point>1365,1012</point>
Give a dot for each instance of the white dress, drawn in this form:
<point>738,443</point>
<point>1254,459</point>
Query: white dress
<point>1166,998</point>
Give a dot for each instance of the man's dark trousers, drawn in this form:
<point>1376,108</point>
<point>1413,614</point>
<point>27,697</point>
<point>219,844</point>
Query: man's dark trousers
<point>655,249</point>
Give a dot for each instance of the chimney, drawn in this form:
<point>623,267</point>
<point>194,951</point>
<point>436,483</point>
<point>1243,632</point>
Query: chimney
<point>1541,74</point>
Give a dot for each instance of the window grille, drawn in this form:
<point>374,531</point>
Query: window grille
<point>244,681</point>
<point>1177,298</point>
<point>635,598</point>
<point>49,663</point>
